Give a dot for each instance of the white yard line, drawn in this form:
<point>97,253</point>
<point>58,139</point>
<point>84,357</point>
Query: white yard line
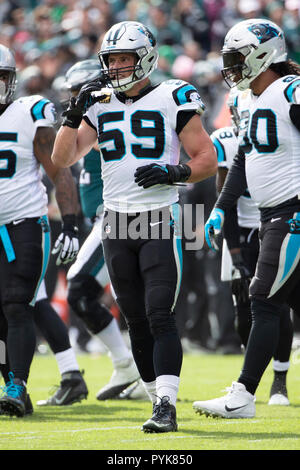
<point>68,430</point>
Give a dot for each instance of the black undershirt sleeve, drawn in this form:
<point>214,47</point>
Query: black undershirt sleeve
<point>235,183</point>
<point>86,119</point>
<point>183,118</point>
<point>231,229</point>
<point>295,115</point>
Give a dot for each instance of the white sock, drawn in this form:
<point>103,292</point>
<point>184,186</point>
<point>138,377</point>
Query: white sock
<point>66,361</point>
<point>112,338</point>
<point>150,388</point>
<point>281,366</point>
<point>167,385</point>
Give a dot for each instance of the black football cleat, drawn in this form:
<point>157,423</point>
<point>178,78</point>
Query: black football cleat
<point>278,393</point>
<point>72,389</point>
<point>14,398</point>
<point>163,418</point>
<point>28,406</point>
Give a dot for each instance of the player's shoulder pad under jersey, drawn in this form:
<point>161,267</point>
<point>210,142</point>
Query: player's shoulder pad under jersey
<point>292,89</point>
<point>184,93</point>
<point>38,107</point>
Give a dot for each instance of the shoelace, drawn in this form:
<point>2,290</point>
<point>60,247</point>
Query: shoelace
<point>11,389</point>
<point>161,407</point>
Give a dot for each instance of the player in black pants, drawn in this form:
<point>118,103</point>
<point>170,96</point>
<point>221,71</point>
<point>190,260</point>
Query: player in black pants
<point>139,128</point>
<point>268,163</point>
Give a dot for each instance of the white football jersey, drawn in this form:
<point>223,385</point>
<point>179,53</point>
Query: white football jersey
<point>226,144</point>
<point>135,133</point>
<point>22,193</point>
<point>271,142</point>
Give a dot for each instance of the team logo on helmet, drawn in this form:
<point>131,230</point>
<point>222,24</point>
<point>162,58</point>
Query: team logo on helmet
<point>264,32</point>
<point>115,34</point>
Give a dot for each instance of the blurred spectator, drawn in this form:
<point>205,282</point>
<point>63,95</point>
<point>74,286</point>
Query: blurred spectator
<point>135,10</point>
<point>183,68</point>
<point>193,17</point>
<point>160,22</point>
<point>7,7</point>
<point>167,55</point>
<point>250,9</point>
<point>291,27</point>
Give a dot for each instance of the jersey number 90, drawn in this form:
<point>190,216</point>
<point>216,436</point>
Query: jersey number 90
<point>271,131</point>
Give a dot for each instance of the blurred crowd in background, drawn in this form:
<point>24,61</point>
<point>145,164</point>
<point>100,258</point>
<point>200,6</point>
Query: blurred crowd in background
<point>49,36</point>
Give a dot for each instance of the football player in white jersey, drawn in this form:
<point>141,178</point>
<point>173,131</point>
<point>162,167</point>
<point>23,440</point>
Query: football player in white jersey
<point>88,276</point>
<point>268,163</point>
<point>26,140</point>
<point>140,128</point>
<point>240,231</point>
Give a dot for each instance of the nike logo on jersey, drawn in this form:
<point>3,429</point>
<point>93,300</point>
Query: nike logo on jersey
<point>274,220</point>
<point>152,224</point>
<point>234,409</point>
<point>16,222</point>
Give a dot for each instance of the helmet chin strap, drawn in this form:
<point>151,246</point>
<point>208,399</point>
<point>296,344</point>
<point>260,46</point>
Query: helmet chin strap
<point>119,86</point>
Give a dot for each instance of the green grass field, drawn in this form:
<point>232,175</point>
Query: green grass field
<point>115,424</point>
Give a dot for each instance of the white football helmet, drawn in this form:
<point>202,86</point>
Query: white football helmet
<point>250,47</point>
<point>128,37</point>
<point>7,63</point>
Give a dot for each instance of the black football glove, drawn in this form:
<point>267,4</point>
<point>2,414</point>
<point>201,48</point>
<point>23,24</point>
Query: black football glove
<point>67,243</point>
<point>240,279</point>
<point>149,175</point>
<point>79,105</point>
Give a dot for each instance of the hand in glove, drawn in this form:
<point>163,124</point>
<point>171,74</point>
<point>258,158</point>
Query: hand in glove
<point>150,175</point>
<point>67,243</point>
<point>240,278</point>
<point>88,95</point>
<point>213,227</point>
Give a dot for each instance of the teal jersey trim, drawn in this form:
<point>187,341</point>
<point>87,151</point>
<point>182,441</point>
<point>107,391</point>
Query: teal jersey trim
<point>37,110</point>
<point>7,244</point>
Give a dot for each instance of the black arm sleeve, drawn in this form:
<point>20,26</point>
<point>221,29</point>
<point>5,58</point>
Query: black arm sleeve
<point>295,115</point>
<point>231,229</point>
<point>183,118</point>
<point>235,183</point>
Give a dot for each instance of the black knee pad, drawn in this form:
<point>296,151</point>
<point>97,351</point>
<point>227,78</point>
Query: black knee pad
<point>159,302</point>
<point>159,296</point>
<point>162,322</point>
<point>83,297</point>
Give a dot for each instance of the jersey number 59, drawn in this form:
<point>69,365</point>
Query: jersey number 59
<point>154,130</point>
